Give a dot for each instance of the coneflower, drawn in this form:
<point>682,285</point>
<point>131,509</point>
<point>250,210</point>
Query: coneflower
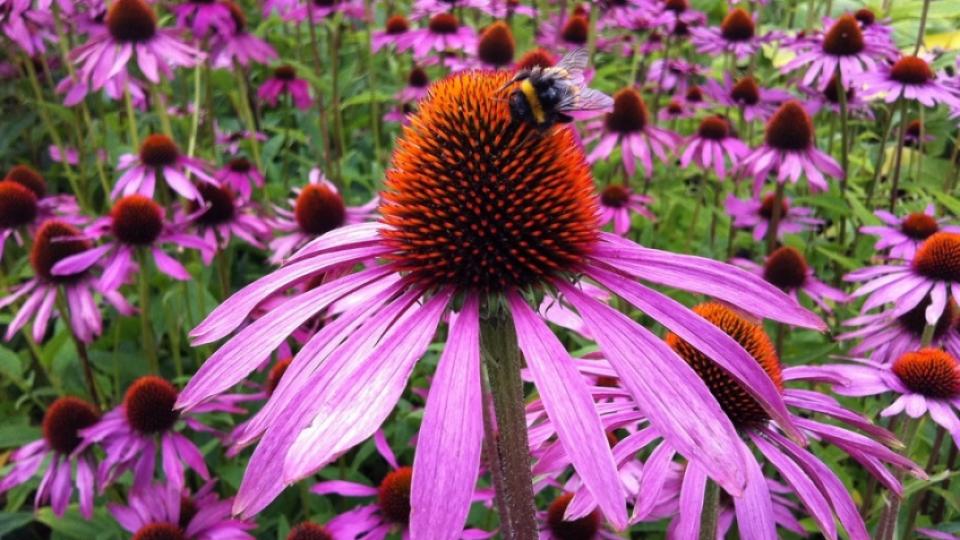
<point>900,237</point>
<point>756,214</point>
<point>159,156</point>
<point>284,81</point>
<point>237,45</point>
<point>747,96</point>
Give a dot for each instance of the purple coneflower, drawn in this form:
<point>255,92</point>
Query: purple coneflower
<point>27,25</point>
<point>677,17</point>
<point>926,382</point>
<point>756,214</point>
<point>239,174</point>
<point>437,249</point>
<point>712,145</point>
<point>443,32</point>
<point>165,512</point>
<point>131,29</point>
<point>736,35</point>
<point>496,46</point>
<point>573,33</point>
<point>554,525</point>
<point>131,433</point>
<point>828,98</point>
<point>203,17</point>
<point>237,45</point>
<point>787,268</point>
<point>25,203</point>
<point>672,74</point>
<point>230,140</point>
<point>843,47</point>
<point>159,155</point>
<point>62,423</point>
<point>135,222</point>
<point>754,101</point>
<point>296,10</point>
<point>885,337</point>
<point>788,151</point>
<point>934,270</point>
<point>54,241</point>
<point>285,81</point>
<point>219,215</point>
<point>416,88</point>
<point>908,78</point>
<point>628,125</point>
<point>903,236</point>
<point>395,28</point>
<point>617,202</point>
<point>317,209</point>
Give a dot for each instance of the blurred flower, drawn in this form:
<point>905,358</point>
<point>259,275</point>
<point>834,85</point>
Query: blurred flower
<point>736,35</point>
<point>677,14</point>
<point>787,268</point>
<point>62,423</point>
<point>712,145</point>
<point>25,204</point>
<point>555,526</point>
<point>828,99</point>
<point>616,204</point>
<point>789,152</point>
<point>28,23</point>
<point>203,17</point>
<point>573,33</point>
<point>239,174</point>
<point>908,78</point>
<point>416,88</point>
<point>628,125</point>
<point>285,81</point>
<point>886,337</point>
<point>296,10</point>
<point>219,215</point>
<point>756,213</point>
<point>754,101</point>
<point>436,245</point>
<point>237,45</point>
<point>673,75</point>
<point>444,32</point>
<point>903,236</point>
<point>496,46</point>
<point>230,140</point>
<point>159,155</point>
<point>163,511</point>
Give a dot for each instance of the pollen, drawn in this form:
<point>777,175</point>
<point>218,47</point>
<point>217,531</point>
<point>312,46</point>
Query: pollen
<point>919,226</point>
<point>576,30</point>
<point>737,26</point>
<point>714,128</point>
<point>137,220</point>
<point>939,257</point>
<point>786,268</point>
<point>766,207</point>
<point>309,531</point>
<point>159,151</point>
<point>615,196</point>
<point>18,205</point>
<point>220,202</point>
<point>131,21</point>
<point>396,25</point>
<point>418,78</point>
<point>915,320</point>
<point>159,531</point>
<point>629,114</point>
<point>844,38</point>
<point>911,70</point>
<point>742,409</point>
<point>929,372</point>
<point>585,528</point>
<point>55,241</point>
<point>536,57</point>
<point>275,374</point>
<point>394,495</point>
<point>496,46</point>
<point>285,72</point>
<point>444,23</point>
<point>790,128</point>
<point>319,209</point>
<point>746,92</point>
<point>63,421</point>
<point>149,405</point>
<point>29,178</point>
<point>477,200</point>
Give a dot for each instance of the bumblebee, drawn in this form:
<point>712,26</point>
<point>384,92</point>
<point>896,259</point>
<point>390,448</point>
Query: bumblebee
<point>546,95</point>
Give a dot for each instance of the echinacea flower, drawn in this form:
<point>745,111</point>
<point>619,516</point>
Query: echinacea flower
<point>745,95</point>
<point>219,214</point>
<point>240,174</point>
<point>573,33</point>
<point>416,89</point>
<point>788,151</point>
<point>203,17</point>
<point>676,16</point>
<point>712,145</point>
<point>496,46</point>
<point>440,242</point>
<point>672,74</point>
<point>555,526</point>
<point>25,203</point>
<point>736,35</point>
<point>317,209</point>
<point>315,10</point>
<point>628,126</point>
<point>230,140</point>
<point>165,512</point>
<point>285,82</point>
<point>901,237</point>
<point>238,45</point>
<point>54,241</point>
<point>934,270</point>
<point>135,223</point>
<point>62,423</point>
<point>27,25</point>
<point>756,214</point>
<point>884,337</point>
<point>394,29</point>
<point>145,424</point>
<point>843,47</point>
<point>130,30</point>
<point>443,32</point>
<point>787,268</point>
<point>828,98</point>
<point>910,78</point>
<point>159,156</point>
<point>926,382</point>
<point>616,204</point>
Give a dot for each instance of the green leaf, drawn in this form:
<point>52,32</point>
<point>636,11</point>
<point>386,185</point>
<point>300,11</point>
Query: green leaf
<point>11,366</point>
<point>845,262</point>
<point>366,97</point>
<point>10,522</point>
<point>73,525</point>
<point>13,435</point>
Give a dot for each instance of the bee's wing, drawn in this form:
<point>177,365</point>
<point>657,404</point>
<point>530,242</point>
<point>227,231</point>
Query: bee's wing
<point>593,100</point>
<point>574,62</point>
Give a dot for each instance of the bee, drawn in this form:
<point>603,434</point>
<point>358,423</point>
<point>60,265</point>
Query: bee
<point>547,95</point>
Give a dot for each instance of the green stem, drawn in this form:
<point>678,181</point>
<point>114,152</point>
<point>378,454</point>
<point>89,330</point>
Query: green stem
<point>131,120</point>
<point>923,26</point>
<point>149,340</point>
<point>372,81</point>
<point>160,104</point>
<point>247,114</point>
<point>321,109</point>
<point>81,350</point>
<point>881,155</point>
<point>775,218</point>
<point>710,513</point>
<point>895,184</point>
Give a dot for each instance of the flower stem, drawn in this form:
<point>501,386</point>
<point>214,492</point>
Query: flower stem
<point>81,350</point>
<point>247,114</point>
<point>917,501</point>
<point>318,65</point>
<point>372,81</point>
<point>502,358</point>
<point>160,104</point>
<point>149,341</point>
<point>881,155</point>
<point>131,120</point>
<point>775,218</point>
<point>895,184</point>
<point>923,26</point>
<point>710,513</point>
